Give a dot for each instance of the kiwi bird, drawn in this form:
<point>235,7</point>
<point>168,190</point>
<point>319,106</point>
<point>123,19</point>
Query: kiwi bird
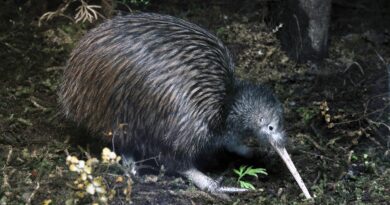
<point>172,84</point>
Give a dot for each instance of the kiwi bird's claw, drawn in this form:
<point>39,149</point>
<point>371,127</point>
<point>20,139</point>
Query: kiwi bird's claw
<point>129,163</point>
<point>232,189</point>
<point>205,183</point>
<point>222,191</point>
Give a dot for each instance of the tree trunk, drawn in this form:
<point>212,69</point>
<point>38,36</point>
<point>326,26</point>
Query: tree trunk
<point>304,34</point>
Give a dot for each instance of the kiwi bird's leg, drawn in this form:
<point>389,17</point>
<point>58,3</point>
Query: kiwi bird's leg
<point>129,163</point>
<point>120,133</point>
<point>206,183</point>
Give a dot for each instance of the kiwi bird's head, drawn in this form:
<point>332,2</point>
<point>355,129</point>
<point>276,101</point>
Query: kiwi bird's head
<point>256,113</point>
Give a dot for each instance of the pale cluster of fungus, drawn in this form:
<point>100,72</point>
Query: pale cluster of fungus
<point>109,157</point>
<point>325,113</point>
<point>86,183</point>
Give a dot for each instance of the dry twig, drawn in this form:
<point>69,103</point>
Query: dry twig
<point>87,12</point>
<point>5,184</point>
<point>33,194</point>
<point>59,12</point>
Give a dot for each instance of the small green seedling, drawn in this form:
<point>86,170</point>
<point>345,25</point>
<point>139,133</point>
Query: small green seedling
<point>248,170</point>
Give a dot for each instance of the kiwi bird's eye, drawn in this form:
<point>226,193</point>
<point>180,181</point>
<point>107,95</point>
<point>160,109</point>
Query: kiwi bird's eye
<point>270,128</point>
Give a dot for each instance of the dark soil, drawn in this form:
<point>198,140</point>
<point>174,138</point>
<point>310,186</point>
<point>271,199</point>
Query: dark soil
<point>337,116</point>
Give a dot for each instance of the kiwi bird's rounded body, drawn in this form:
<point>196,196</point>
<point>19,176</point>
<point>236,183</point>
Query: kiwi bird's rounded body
<point>167,79</point>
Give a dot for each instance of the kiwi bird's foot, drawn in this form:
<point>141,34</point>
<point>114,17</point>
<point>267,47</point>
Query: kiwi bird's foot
<point>206,183</point>
<point>129,163</point>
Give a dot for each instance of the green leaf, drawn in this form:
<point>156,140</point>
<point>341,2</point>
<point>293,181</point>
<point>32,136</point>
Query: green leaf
<point>246,185</point>
<point>237,172</point>
<point>257,171</point>
<point>242,169</point>
<point>248,170</point>
<point>252,174</point>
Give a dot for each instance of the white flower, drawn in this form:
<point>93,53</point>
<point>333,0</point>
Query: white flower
<point>112,155</point>
<point>87,169</point>
<point>81,164</point>
<point>100,190</point>
<point>90,189</point>
<point>83,176</point>
<point>74,168</point>
<point>103,199</point>
<point>74,160</point>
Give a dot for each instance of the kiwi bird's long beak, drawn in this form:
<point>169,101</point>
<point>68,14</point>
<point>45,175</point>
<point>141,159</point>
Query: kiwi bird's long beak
<point>290,165</point>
